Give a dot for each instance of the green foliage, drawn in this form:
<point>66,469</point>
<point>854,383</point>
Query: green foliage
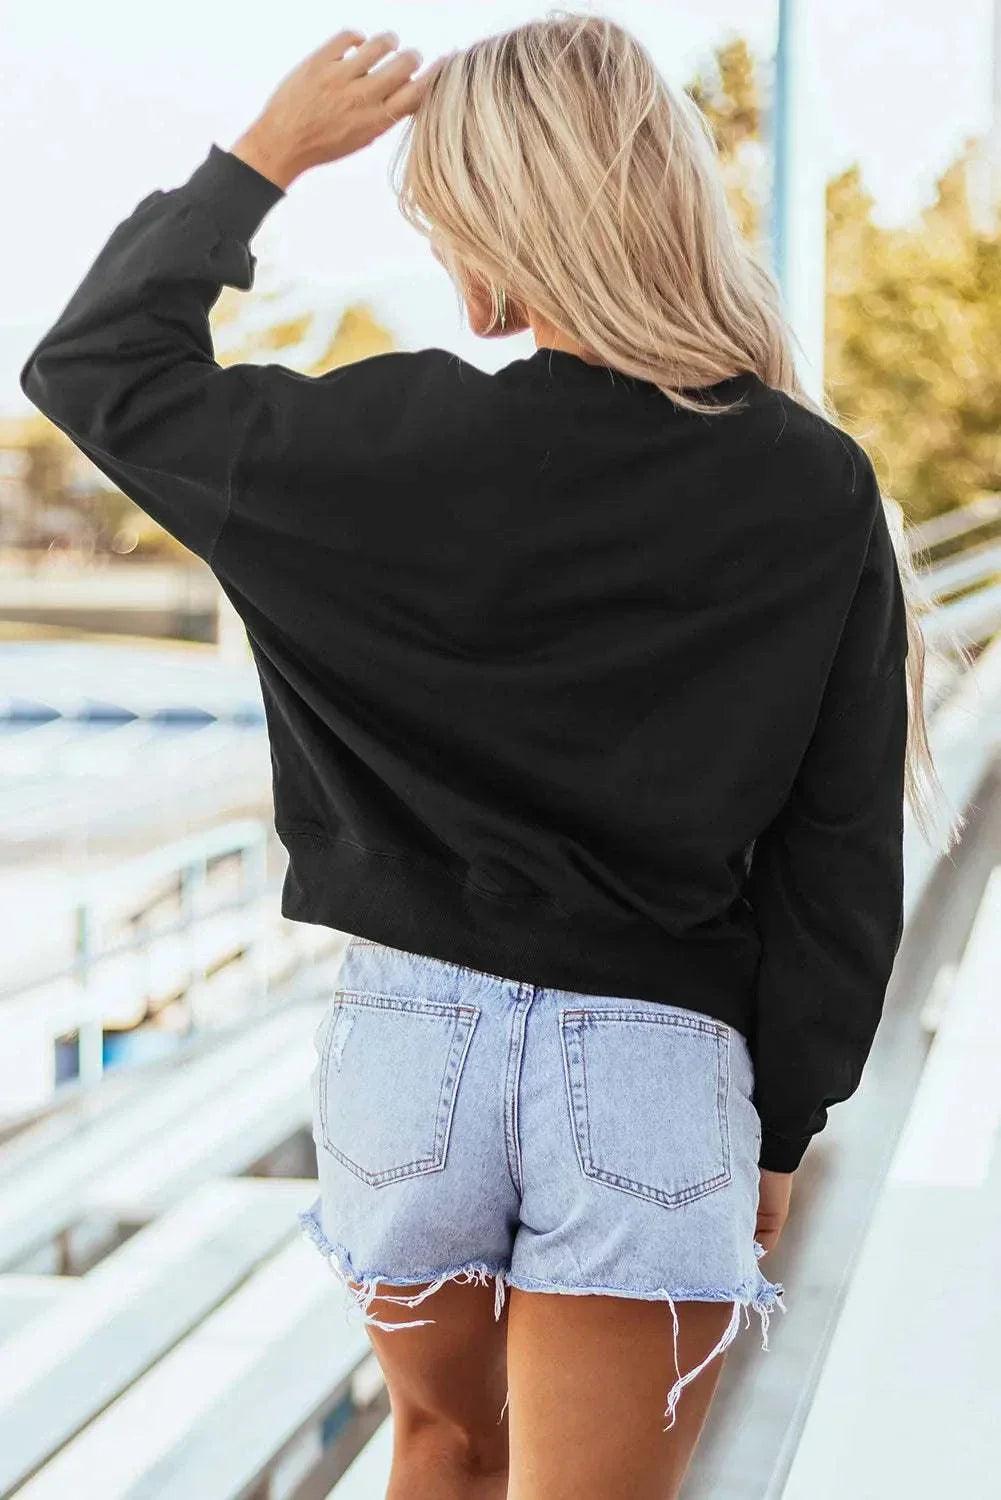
<point>358,335</point>
<point>913,324</point>
<point>727,93</point>
<point>913,330</point>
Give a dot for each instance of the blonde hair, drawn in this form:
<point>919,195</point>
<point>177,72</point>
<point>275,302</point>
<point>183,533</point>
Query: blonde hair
<point>554,162</point>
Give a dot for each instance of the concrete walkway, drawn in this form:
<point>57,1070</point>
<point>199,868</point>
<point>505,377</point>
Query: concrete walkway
<point>910,1397</point>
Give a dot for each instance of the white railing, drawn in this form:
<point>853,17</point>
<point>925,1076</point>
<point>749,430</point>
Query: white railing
<point>984,511</point>
<point>965,584</point>
<point>194,927</point>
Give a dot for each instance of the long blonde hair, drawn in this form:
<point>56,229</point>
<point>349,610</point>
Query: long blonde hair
<point>554,162</point>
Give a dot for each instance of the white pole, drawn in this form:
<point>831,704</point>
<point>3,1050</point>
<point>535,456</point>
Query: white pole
<point>799,204</point>
<point>983,178</point>
<point>994,138</point>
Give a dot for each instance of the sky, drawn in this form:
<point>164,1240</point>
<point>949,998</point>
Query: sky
<point>103,100</point>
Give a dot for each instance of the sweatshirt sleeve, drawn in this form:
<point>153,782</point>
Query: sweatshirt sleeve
<point>128,371</point>
<point>826,878</point>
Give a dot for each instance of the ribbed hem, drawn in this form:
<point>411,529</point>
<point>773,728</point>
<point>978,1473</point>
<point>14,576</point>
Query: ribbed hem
<point>782,1153</point>
<point>235,193</point>
<point>425,908</point>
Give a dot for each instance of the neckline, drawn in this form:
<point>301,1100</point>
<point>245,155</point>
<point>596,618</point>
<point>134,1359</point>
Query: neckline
<point>552,363</point>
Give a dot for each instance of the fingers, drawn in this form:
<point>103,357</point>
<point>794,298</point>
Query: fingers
<point>405,100</point>
<point>392,75</point>
<point>339,44</point>
<point>768,1227</point>
<point>370,52</point>
<point>373,79</point>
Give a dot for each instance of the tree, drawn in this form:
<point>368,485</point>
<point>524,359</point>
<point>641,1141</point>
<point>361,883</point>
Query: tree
<point>357,336</point>
<point>356,333</point>
<point>47,466</point>
<point>913,328</point>
<point>913,319</point>
<point>726,91</point>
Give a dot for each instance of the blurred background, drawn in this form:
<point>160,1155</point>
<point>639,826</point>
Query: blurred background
<point>163,1330</point>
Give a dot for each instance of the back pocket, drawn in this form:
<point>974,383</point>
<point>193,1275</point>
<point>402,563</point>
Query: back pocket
<point>648,1100</point>
<point>387,1080</point>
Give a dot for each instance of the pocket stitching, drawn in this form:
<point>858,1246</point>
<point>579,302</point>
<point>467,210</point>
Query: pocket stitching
<point>464,1018</point>
<point>571,1028</point>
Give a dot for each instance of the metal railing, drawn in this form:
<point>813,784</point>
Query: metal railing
<point>195,925</point>
<point>964,583</point>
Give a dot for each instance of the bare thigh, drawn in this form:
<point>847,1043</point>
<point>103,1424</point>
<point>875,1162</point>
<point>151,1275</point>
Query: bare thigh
<point>588,1378</point>
<point>449,1377</point>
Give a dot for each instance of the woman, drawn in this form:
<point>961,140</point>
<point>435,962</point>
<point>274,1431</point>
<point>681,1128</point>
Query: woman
<point>586,684</point>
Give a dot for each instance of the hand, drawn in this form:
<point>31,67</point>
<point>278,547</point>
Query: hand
<point>774,1192</point>
<point>333,104</point>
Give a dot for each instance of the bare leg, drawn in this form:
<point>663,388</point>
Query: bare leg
<point>447,1386</point>
<point>589,1377</point>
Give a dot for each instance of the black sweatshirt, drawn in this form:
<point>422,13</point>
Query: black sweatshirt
<point>563,682</point>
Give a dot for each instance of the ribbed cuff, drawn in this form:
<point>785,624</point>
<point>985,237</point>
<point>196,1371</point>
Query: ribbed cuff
<point>782,1153</point>
<point>236,195</point>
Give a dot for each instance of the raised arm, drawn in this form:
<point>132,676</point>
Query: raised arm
<point>826,879</point>
<point>128,369</point>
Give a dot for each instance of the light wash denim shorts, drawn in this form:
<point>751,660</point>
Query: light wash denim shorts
<point>469,1126</point>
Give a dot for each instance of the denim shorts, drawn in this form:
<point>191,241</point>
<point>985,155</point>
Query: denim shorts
<point>469,1126</point>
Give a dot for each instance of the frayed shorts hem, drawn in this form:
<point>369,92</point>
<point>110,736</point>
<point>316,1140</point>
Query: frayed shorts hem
<point>761,1296</point>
